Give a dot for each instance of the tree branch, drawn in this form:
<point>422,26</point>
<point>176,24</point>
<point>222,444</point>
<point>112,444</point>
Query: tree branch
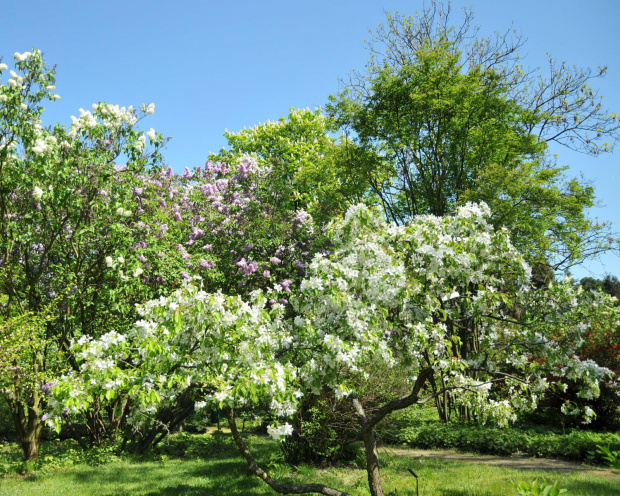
<point>261,474</point>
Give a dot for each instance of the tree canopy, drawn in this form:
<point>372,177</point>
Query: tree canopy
<point>453,117</point>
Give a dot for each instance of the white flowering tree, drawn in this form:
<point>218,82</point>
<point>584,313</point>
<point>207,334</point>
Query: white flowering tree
<point>445,300</point>
<point>63,212</point>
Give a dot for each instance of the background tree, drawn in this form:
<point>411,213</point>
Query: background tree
<point>453,116</point>
<point>308,168</point>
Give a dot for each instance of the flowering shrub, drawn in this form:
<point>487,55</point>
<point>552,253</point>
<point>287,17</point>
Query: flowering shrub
<point>86,238</point>
<point>445,300</point>
<point>63,212</point>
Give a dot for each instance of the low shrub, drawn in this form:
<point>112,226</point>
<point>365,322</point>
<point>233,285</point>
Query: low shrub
<point>577,445</point>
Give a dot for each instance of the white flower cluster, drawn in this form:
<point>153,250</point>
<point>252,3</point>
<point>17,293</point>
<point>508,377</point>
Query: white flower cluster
<point>44,145</point>
<point>279,431</point>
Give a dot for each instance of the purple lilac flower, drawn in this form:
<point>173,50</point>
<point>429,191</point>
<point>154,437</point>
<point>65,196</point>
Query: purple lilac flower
<point>205,264</point>
<point>188,174</point>
<point>299,264</point>
<point>207,247</point>
<point>266,273</point>
<point>286,285</point>
<point>246,166</point>
<point>45,388</point>
<point>275,260</point>
<point>196,233</point>
<point>177,217</point>
<point>45,417</point>
<point>247,247</point>
<point>185,275</point>
<point>142,258</point>
<point>251,268</point>
<point>301,217</point>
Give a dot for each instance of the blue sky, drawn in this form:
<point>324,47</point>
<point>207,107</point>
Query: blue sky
<point>213,65</point>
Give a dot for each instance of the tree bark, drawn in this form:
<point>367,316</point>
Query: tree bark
<point>372,462</point>
<point>28,426</point>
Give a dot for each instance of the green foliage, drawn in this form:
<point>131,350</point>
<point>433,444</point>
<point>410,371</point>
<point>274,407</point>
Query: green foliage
<point>537,441</point>
<point>56,455</point>
<point>602,344</point>
<point>321,431</point>
<point>536,488</point>
<point>545,211</point>
<point>452,117</point>
<point>435,125</point>
<point>609,284</point>
<point>611,456</point>
<point>196,445</point>
<point>308,168</point>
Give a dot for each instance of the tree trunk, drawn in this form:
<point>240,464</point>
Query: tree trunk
<point>28,427</point>
<point>30,442</point>
<point>372,462</point>
<point>167,420</point>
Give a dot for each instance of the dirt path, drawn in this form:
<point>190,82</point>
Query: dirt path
<point>516,461</point>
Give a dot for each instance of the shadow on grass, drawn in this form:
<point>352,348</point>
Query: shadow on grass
<point>172,478</point>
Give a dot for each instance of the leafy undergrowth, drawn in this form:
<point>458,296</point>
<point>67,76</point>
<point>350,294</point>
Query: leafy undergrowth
<point>421,429</point>
<point>209,464</point>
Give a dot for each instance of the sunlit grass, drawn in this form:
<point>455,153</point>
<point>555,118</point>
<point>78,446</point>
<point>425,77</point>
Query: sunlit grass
<point>198,465</point>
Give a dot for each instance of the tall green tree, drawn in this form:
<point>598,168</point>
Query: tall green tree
<point>452,117</point>
<point>308,168</point>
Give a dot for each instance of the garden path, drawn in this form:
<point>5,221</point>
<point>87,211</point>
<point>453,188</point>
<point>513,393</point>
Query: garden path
<point>522,461</point>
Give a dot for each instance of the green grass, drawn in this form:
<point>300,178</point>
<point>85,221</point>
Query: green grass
<point>198,465</point>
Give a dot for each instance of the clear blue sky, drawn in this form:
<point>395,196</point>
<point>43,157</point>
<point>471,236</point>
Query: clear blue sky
<point>214,65</point>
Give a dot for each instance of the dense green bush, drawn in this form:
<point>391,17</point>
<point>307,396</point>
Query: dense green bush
<point>326,426</point>
<point>538,441</point>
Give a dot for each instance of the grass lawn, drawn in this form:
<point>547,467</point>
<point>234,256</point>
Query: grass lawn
<point>198,465</point>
